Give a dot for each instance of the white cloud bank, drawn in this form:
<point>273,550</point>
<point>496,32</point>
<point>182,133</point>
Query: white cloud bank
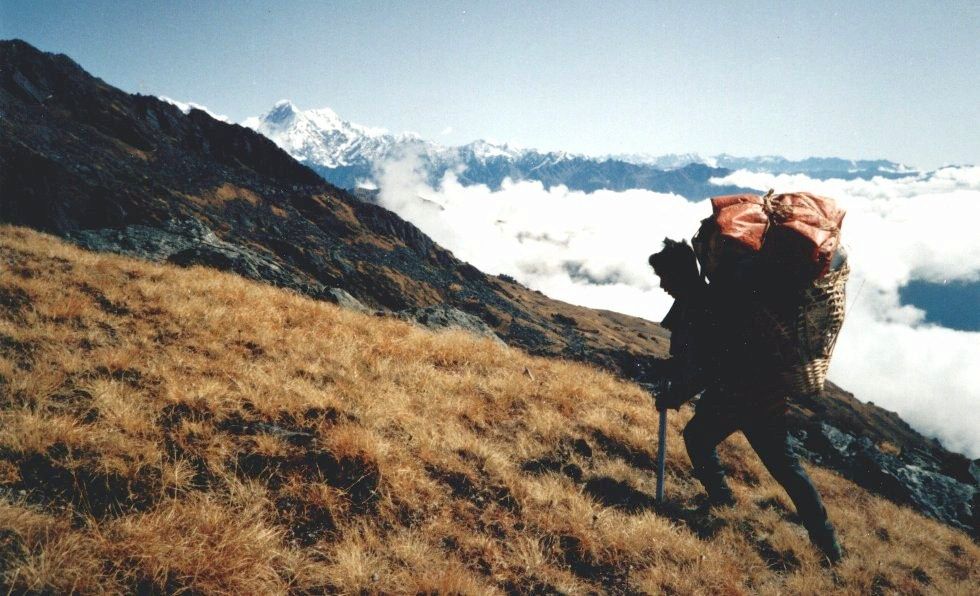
<point>592,248</point>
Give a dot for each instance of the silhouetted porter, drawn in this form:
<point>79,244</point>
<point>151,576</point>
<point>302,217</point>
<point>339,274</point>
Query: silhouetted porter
<point>711,351</point>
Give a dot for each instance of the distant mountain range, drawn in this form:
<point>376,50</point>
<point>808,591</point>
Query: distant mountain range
<point>822,168</point>
<point>348,154</point>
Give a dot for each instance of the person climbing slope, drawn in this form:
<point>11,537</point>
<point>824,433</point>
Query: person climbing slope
<point>737,341</point>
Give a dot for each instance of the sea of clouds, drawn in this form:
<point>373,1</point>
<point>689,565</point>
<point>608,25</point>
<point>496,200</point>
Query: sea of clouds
<point>591,249</point>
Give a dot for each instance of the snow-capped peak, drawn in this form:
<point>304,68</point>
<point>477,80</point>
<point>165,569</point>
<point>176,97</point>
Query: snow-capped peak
<point>669,161</point>
<point>320,136</point>
<point>483,150</point>
<point>283,111</point>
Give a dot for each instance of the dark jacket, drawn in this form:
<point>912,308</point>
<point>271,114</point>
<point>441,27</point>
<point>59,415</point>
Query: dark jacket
<point>689,322</point>
<point>713,346</point>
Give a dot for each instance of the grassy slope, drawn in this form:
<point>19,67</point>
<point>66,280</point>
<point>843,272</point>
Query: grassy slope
<point>177,429</point>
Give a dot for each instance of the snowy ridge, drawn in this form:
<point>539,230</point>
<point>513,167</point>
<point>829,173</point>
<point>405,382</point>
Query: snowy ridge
<point>348,154</point>
<point>322,138</point>
<point>772,164</point>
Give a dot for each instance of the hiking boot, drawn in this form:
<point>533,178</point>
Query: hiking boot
<point>826,542</point>
<point>716,500</point>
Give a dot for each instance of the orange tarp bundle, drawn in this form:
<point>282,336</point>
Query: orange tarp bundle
<point>811,222</point>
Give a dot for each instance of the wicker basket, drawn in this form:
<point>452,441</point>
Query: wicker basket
<point>803,345</point>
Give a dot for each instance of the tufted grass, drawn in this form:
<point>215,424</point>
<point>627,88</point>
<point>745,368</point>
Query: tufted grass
<point>176,430</point>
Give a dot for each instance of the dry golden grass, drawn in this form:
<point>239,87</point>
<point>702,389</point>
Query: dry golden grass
<point>178,430</point>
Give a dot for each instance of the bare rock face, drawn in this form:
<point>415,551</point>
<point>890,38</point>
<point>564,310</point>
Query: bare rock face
<point>443,316</point>
<point>188,242</point>
<point>147,242</point>
<point>343,299</point>
<point>905,478</point>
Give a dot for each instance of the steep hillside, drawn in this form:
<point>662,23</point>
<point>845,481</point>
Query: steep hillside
<point>133,174</point>
<point>174,430</point>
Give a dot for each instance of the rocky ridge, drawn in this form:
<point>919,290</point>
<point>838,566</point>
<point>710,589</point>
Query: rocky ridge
<point>907,478</point>
<point>189,242</point>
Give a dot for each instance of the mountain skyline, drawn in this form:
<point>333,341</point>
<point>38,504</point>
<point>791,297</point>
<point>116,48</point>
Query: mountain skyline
<point>350,154</point>
<point>326,119</point>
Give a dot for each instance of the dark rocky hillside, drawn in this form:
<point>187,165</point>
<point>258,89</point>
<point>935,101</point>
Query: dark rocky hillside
<point>133,174</point>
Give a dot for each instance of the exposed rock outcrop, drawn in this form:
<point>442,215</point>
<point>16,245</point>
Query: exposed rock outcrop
<point>188,242</point>
<point>921,484</point>
<point>443,316</point>
<point>342,298</point>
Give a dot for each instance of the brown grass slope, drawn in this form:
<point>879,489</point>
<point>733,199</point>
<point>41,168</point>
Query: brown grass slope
<point>78,154</point>
<point>168,430</point>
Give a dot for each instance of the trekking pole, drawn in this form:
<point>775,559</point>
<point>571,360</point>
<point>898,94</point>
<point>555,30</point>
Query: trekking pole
<point>661,454</point>
<point>656,389</point>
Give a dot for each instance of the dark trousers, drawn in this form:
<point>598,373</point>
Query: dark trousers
<point>769,436</point>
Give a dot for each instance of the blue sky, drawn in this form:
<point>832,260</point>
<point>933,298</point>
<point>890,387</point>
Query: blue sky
<point>899,80</point>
